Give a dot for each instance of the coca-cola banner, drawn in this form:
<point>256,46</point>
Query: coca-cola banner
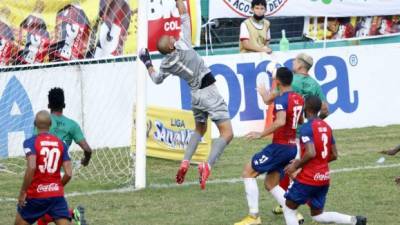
<point>39,31</point>
<point>164,19</point>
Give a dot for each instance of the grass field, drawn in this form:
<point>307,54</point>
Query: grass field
<point>368,190</point>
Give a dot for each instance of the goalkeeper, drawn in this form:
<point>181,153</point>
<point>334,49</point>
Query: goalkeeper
<point>181,60</point>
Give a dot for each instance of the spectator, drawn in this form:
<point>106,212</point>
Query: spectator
<point>255,31</point>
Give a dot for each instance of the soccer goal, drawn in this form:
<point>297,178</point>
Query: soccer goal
<point>88,49</point>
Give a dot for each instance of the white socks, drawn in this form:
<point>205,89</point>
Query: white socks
<point>290,216</point>
<point>252,195</point>
<point>334,217</point>
<point>326,217</point>
<point>279,195</point>
<point>250,185</point>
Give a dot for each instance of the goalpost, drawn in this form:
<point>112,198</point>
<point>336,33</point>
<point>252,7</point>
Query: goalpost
<point>104,82</point>
<point>141,74</point>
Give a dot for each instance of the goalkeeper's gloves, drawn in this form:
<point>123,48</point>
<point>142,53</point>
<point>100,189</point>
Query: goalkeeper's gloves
<point>145,57</point>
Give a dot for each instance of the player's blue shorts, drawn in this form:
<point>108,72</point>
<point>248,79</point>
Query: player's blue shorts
<point>35,208</point>
<point>274,157</point>
<point>301,194</point>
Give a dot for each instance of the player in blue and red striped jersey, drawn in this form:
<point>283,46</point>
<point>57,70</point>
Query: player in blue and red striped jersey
<point>311,184</point>
<point>273,158</point>
<point>42,190</point>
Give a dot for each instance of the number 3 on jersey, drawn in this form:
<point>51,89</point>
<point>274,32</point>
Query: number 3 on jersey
<point>296,115</point>
<point>324,138</point>
<point>51,158</point>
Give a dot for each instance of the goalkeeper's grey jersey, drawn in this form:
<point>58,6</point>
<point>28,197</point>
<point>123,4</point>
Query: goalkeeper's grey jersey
<point>184,62</point>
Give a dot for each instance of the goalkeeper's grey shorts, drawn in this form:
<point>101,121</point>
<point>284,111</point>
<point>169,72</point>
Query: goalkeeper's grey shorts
<point>208,102</point>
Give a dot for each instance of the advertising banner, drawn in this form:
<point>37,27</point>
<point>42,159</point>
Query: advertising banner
<point>169,131</point>
<point>38,31</point>
<point>164,19</point>
<point>329,8</point>
<point>357,84</point>
<point>46,31</point>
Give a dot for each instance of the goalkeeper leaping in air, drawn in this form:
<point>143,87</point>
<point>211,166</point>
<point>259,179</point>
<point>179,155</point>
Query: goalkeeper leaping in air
<point>181,60</point>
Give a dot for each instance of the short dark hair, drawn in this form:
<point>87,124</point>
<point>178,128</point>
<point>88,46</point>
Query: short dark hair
<point>258,2</point>
<point>56,99</point>
<point>285,76</point>
<point>313,104</point>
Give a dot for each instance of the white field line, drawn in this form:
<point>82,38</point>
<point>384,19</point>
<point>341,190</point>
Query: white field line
<point>186,184</point>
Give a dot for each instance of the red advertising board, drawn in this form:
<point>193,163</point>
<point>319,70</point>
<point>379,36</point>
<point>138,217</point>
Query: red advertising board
<point>164,19</point>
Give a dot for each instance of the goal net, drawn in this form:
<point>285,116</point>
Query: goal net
<point>86,48</point>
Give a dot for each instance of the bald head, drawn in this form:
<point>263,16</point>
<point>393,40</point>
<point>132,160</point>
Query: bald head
<point>43,120</point>
<point>165,44</point>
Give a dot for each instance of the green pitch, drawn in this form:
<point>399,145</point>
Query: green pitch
<point>369,190</point>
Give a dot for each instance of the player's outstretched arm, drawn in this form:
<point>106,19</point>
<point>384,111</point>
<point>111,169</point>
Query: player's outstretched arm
<point>144,56</point>
<point>29,173</point>
<point>268,96</point>
<point>279,122</point>
<point>181,7</point>
<point>87,151</point>
<point>67,166</point>
<point>186,35</point>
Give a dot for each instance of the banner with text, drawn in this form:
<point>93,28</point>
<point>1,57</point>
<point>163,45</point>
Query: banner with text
<point>350,77</point>
<point>164,19</point>
<point>354,81</point>
<point>38,31</point>
<point>169,131</point>
<point>329,8</point>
